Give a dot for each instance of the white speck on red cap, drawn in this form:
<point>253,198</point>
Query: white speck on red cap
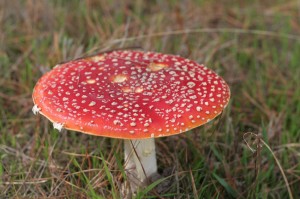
<point>58,126</point>
<point>35,109</point>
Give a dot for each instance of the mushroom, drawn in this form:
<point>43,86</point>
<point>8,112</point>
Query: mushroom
<point>132,95</point>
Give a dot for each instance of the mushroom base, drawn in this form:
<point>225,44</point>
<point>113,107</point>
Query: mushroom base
<point>140,162</point>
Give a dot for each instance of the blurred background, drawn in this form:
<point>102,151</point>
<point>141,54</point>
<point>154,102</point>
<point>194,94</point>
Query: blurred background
<point>251,151</point>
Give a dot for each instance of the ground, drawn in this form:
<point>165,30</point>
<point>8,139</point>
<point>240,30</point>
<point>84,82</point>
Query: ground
<point>250,151</point>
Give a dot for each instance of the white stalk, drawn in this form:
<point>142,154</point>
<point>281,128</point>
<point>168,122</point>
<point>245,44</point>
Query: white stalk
<point>140,161</point>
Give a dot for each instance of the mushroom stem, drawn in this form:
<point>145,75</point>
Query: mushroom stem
<point>140,161</point>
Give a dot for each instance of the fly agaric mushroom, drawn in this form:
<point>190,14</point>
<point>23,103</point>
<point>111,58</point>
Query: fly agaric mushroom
<point>133,95</point>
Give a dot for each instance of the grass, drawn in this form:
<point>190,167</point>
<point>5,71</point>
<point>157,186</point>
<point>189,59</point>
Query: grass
<point>255,46</point>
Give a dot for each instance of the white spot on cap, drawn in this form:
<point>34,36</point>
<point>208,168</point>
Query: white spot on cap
<point>92,103</point>
<point>126,89</point>
<point>139,89</point>
<point>193,97</point>
<point>90,81</point>
<point>97,58</point>
<point>198,108</point>
<point>132,124</point>
<point>116,122</point>
<point>119,78</point>
<point>191,84</point>
<point>65,99</point>
<point>35,109</point>
<point>58,126</point>
<point>157,66</point>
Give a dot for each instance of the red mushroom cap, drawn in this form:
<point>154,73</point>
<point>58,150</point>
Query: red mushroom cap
<point>131,95</point>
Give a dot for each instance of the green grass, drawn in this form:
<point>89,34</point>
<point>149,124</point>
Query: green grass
<point>256,48</point>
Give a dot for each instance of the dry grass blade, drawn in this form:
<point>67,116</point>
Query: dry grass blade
<point>274,156</point>
<point>209,30</point>
<point>21,182</point>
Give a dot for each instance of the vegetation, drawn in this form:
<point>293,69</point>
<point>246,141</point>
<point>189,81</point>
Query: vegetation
<point>251,151</point>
